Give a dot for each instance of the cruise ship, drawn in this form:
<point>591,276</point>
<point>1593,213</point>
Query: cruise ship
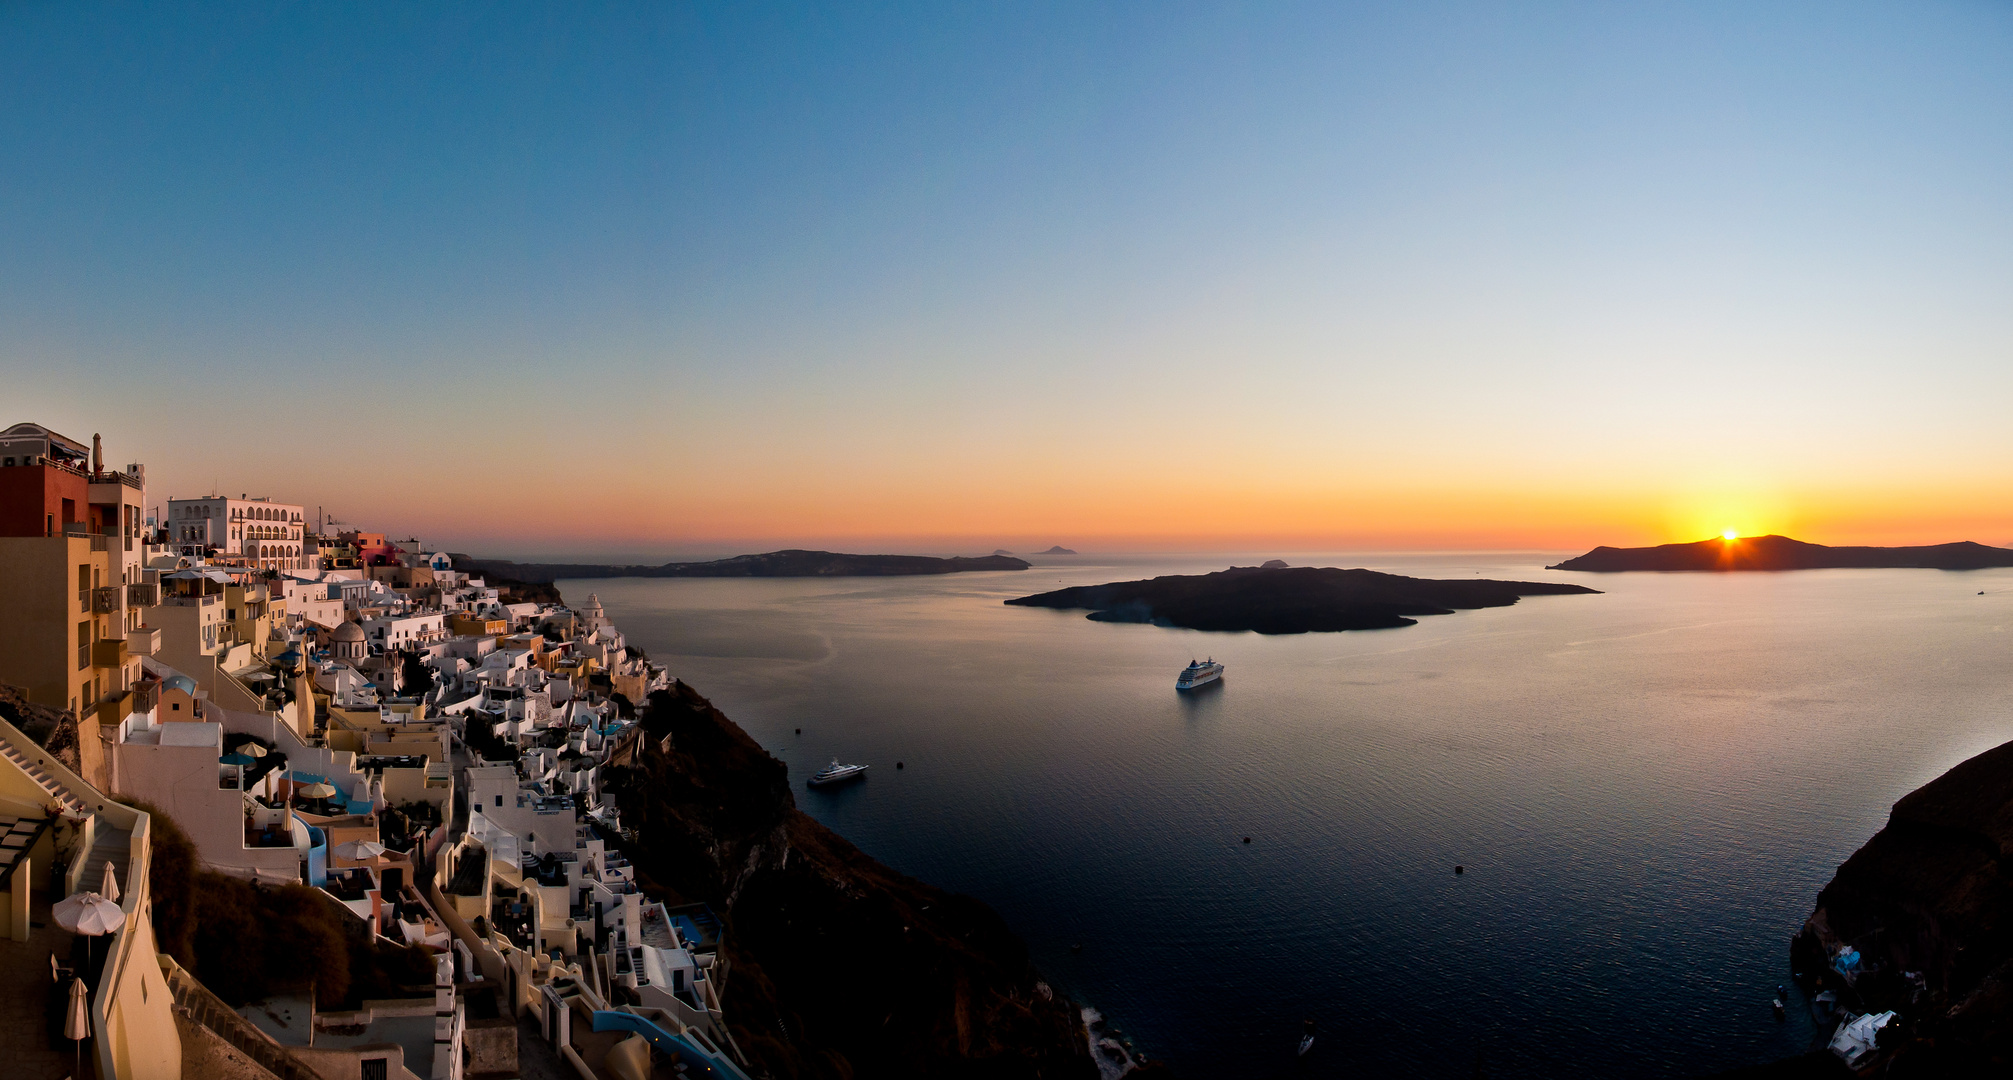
<point>836,773</point>
<point>1199,673</point>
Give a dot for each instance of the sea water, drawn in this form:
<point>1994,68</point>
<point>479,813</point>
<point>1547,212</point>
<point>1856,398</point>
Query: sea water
<point>1646,788</point>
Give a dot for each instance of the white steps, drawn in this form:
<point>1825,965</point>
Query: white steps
<point>58,793</point>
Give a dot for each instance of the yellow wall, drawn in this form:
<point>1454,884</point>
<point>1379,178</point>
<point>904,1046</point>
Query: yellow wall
<point>132,1009</point>
<point>39,614</point>
<point>469,626</point>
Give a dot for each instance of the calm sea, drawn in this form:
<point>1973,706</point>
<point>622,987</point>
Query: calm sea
<point>1647,789</point>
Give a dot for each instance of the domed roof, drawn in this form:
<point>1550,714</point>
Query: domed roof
<point>348,631</point>
<point>180,682</point>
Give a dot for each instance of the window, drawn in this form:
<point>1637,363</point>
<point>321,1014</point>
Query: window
<point>83,646</point>
<point>374,1069</point>
<point>499,800</point>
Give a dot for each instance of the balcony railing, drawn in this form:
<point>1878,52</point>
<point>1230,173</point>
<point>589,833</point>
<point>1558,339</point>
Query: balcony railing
<point>146,641</point>
<point>145,594</point>
<point>109,653</point>
<point>108,599</point>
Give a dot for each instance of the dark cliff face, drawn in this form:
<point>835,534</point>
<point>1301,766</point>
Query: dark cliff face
<point>837,965</point>
<point>1931,893</point>
<point>55,730</point>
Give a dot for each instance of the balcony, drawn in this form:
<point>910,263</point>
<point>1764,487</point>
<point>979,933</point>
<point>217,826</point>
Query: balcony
<point>109,653</point>
<point>146,641</point>
<point>115,707</point>
<point>108,600</point>
<point>143,595</point>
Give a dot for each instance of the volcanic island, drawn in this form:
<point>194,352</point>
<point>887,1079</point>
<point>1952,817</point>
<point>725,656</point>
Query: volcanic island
<point>1782,553</point>
<point>1280,599</point>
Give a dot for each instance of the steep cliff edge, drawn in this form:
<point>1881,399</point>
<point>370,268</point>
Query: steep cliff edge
<point>836,965</point>
<point>1928,905</point>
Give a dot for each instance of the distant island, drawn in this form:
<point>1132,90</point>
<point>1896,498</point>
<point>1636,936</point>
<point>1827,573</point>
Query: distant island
<point>1056,550</point>
<point>792,563</point>
<point>1288,600</point>
<point>1001,551</point>
<point>1783,553</point>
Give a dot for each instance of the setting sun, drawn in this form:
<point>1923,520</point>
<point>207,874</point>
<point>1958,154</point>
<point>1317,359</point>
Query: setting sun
<point>1730,535</point>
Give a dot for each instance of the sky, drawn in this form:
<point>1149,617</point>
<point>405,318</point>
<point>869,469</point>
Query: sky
<point>662,279</point>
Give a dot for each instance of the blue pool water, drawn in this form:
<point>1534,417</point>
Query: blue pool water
<point>1647,788</point>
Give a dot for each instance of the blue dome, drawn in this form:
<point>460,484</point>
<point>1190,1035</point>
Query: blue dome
<point>181,682</point>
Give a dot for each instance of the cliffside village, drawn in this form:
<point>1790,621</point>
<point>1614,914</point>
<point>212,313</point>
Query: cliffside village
<point>338,711</point>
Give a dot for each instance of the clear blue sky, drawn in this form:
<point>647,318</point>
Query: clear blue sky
<point>656,277</point>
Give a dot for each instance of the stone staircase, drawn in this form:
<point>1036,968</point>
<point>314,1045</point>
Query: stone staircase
<point>26,759</point>
<point>195,1003</point>
<point>110,845</point>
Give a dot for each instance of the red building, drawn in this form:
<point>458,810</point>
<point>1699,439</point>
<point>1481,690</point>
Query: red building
<point>45,484</point>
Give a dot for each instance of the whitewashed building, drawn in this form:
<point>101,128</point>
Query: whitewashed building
<point>272,535</point>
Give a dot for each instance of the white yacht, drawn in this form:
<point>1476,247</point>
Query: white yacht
<point>1199,673</point>
<point>836,773</point>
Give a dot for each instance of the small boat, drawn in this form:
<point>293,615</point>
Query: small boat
<point>1307,1036</point>
<point>1199,673</point>
<point>836,773</point>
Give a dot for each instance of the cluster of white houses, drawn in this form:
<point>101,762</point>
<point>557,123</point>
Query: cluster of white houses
<point>304,707</point>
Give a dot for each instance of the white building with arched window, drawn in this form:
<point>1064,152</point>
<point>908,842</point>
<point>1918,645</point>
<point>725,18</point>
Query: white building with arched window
<point>269,535</point>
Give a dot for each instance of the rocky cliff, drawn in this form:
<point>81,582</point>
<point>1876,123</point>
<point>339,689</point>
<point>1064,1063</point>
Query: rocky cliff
<point>54,729</point>
<point>836,965</point>
<point>1928,905</point>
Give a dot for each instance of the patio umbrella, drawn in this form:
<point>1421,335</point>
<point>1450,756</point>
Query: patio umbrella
<point>88,913</point>
<point>360,850</point>
<point>252,748</point>
<point>110,889</point>
<point>77,1021</point>
<point>320,789</point>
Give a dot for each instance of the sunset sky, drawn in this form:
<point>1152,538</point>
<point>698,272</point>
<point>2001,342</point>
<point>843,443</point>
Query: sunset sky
<point>656,279</point>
